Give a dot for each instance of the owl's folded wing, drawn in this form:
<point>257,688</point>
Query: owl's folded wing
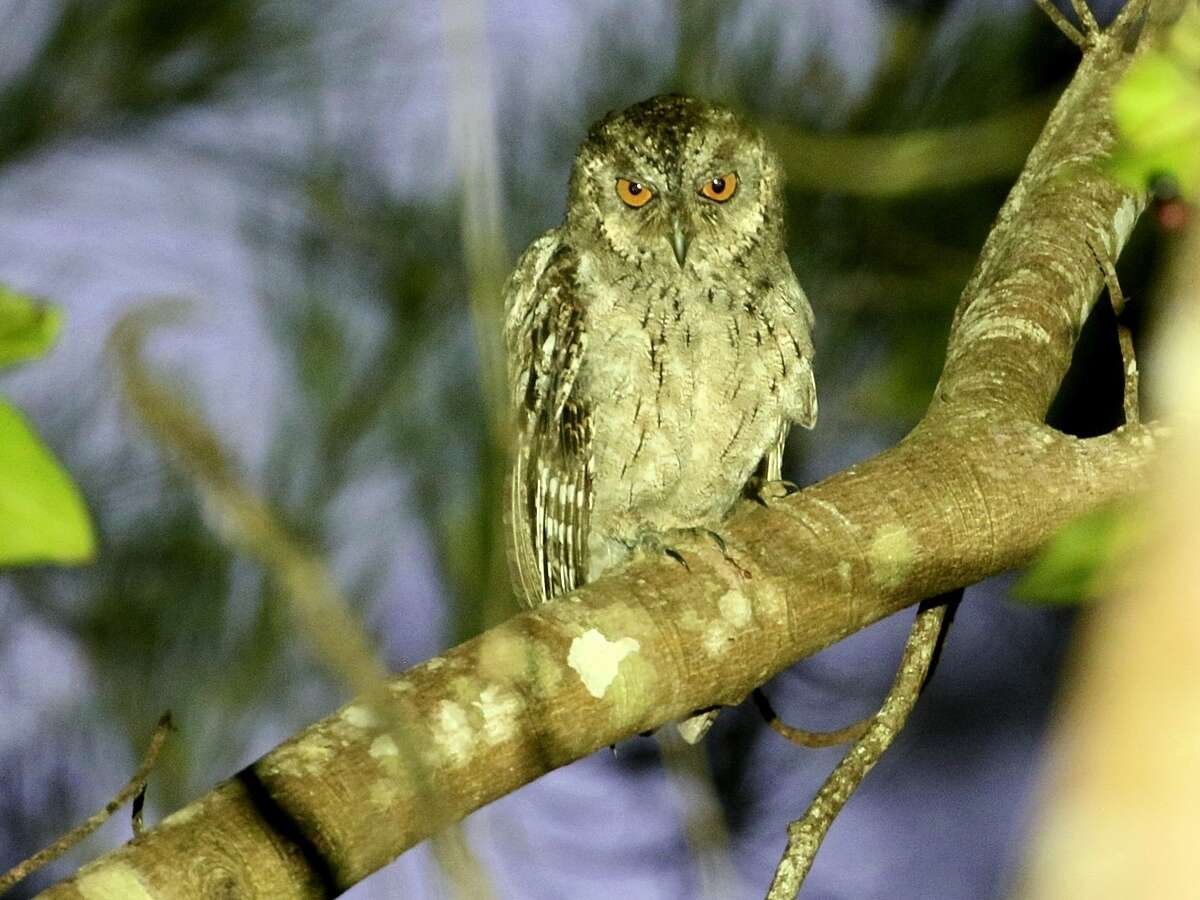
<point>550,488</point>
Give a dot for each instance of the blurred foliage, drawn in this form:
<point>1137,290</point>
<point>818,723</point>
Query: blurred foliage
<point>42,517</point>
<point>375,332</point>
<point>27,329</point>
<point>1157,110</point>
<point>104,64</point>
<point>1079,563</point>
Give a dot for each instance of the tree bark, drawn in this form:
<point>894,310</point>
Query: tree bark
<point>972,491</point>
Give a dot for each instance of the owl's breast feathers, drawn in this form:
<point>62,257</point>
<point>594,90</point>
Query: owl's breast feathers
<point>642,404</point>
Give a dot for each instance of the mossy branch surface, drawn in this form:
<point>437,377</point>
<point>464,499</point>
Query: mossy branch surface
<point>972,491</point>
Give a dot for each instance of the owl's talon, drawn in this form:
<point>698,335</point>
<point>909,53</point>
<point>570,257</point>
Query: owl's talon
<point>723,547</point>
<point>718,540</point>
<point>652,544</point>
<point>764,493</point>
<point>677,556</point>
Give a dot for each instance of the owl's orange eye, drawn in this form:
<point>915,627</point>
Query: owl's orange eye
<point>633,193</point>
<point>720,188</point>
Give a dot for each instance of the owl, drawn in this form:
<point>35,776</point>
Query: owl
<point>659,345</point>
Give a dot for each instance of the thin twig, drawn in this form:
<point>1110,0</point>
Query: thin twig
<point>805,834</point>
<point>1091,27</point>
<point>816,740</point>
<point>804,738</point>
<point>1131,10</point>
<point>135,786</point>
<point>1129,367</point>
<point>1064,24</point>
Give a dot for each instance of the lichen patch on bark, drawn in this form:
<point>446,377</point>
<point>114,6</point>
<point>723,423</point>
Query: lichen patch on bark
<point>384,747</point>
<point>891,555</point>
<point>383,792</point>
<point>112,882</point>
<point>360,716</point>
<point>453,733</point>
<point>597,659</point>
<point>735,608</point>
<point>500,710</point>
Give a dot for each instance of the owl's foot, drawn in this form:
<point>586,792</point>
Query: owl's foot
<point>663,543</point>
<point>654,543</point>
<point>764,492</point>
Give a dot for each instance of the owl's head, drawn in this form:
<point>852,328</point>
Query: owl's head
<point>673,180</point>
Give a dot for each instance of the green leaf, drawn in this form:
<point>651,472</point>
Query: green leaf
<point>42,516</point>
<point>27,329</point>
<point>1157,110</point>
<point>1076,564</point>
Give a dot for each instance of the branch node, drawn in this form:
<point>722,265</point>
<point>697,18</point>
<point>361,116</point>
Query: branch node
<point>1091,28</point>
<point>1063,24</point>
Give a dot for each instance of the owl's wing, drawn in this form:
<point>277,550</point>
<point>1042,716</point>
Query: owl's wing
<point>550,487</point>
<point>797,323</point>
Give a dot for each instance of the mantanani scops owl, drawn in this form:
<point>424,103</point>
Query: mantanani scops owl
<point>658,343</point>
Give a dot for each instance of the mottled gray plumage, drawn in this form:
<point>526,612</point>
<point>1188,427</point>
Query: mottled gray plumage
<point>657,355</point>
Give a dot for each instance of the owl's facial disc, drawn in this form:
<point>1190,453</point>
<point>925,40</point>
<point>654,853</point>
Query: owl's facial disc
<point>673,181</point>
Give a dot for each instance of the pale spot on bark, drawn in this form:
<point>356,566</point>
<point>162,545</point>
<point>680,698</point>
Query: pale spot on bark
<point>596,659</point>
<point>452,732</point>
<point>735,608</point>
<point>891,555</point>
<point>384,791</point>
<point>500,711</point>
<point>844,573</point>
<point>382,794</point>
<point>303,759</point>
<point>384,747</point>
<point>360,717</point>
<point>1123,221</point>
<point>115,881</point>
<point>992,324</point>
<point>716,638</point>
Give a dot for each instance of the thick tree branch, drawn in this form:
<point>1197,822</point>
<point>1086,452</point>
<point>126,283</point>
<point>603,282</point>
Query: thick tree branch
<point>974,490</point>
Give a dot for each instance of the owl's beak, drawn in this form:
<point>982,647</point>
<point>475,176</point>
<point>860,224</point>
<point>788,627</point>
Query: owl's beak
<point>679,242</point>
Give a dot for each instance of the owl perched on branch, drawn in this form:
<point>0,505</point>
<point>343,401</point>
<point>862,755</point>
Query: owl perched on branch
<point>658,342</point>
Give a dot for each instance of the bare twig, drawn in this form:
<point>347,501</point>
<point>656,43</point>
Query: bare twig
<point>1129,364</point>
<point>819,739</point>
<point>1087,19</point>
<point>804,738</point>
<point>1129,367</point>
<point>805,834</point>
<point>1063,23</point>
<point>135,787</point>
<point>1129,12</point>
